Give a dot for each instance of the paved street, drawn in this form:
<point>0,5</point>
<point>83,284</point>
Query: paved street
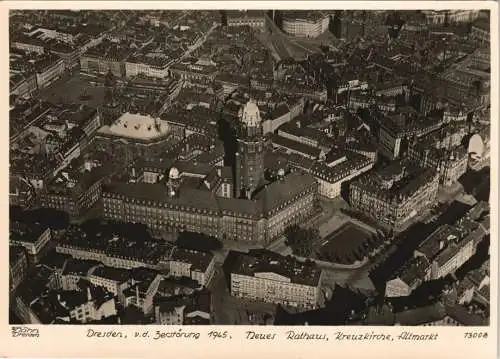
<point>286,46</point>
<point>266,40</point>
<point>228,245</point>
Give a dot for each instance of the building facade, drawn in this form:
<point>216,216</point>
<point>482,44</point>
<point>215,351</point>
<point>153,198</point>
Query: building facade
<point>396,133</point>
<point>33,237</point>
<point>446,17</point>
<point>73,201</point>
<point>134,68</point>
<point>102,65</point>
<point>252,18</point>
<point>21,192</point>
<point>305,25</point>
<point>199,266</point>
<point>70,56</point>
<point>449,247</point>
<point>480,31</point>
<point>276,279</point>
<point>394,207</point>
<point>454,167</point>
<point>282,203</point>
<point>50,72</point>
<point>199,74</point>
<point>18,265</point>
<point>410,276</point>
<point>331,177</point>
<point>25,87</point>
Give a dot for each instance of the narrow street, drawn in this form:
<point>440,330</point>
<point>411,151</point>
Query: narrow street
<point>198,43</point>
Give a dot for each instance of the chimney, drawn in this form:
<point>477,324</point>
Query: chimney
<point>137,293</point>
<point>219,172</point>
<point>133,171</point>
<point>89,294</point>
<point>441,244</point>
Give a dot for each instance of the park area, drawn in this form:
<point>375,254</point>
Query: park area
<point>349,244</point>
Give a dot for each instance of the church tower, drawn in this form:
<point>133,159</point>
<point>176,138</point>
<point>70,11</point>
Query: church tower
<point>110,88</point>
<point>250,156</point>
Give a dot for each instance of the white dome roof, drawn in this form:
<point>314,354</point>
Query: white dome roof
<point>139,126</point>
<point>173,173</point>
<point>249,114</point>
<point>476,145</point>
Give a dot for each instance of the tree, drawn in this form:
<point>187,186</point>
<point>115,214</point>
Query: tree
<point>366,245</point>
<point>198,241</point>
<point>304,248</point>
<point>290,234</point>
<point>301,239</point>
<point>50,217</point>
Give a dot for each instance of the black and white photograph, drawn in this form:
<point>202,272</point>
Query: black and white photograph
<point>249,167</point>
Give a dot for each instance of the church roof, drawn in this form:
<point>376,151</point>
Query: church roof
<point>136,126</point>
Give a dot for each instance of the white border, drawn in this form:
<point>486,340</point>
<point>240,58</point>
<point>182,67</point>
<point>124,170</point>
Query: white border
<point>72,341</point>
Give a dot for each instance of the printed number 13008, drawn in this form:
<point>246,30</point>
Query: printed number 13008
<point>475,335</point>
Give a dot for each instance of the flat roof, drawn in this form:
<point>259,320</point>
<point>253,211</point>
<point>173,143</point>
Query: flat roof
<point>264,261</point>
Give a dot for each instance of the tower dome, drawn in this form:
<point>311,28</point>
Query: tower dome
<point>173,173</point>
<point>249,114</point>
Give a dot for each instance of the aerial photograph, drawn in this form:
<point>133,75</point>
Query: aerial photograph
<point>249,167</point>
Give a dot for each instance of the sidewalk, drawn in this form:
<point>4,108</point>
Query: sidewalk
<point>331,265</point>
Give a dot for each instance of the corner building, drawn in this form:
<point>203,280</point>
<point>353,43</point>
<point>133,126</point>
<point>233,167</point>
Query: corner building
<point>395,194</point>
